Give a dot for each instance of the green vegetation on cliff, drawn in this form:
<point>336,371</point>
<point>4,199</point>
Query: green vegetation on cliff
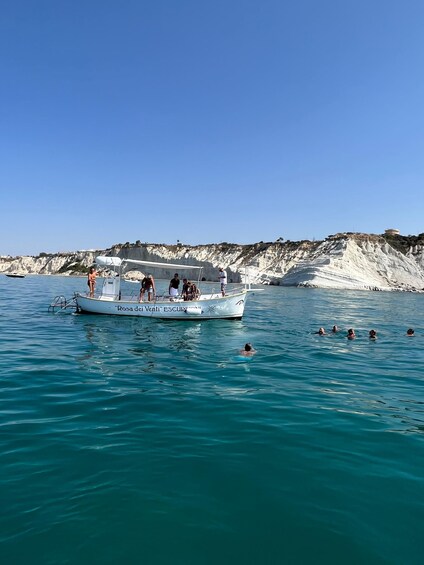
<point>74,267</point>
<point>403,243</point>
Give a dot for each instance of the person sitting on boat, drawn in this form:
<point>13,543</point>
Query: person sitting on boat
<point>174,284</point>
<point>185,289</point>
<point>190,290</point>
<point>194,292</point>
<point>91,280</point>
<point>147,285</point>
<point>223,280</point>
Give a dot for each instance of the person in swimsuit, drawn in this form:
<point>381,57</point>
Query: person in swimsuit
<point>147,285</point>
<point>351,334</point>
<point>91,281</point>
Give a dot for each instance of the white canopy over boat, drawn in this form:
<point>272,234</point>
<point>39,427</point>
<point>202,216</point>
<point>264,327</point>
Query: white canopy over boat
<point>163,265</point>
<point>104,261</point>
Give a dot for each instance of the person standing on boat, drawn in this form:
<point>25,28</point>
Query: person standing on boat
<point>223,280</point>
<point>174,284</point>
<point>147,285</point>
<point>91,280</point>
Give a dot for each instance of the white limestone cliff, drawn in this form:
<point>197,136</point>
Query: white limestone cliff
<point>49,264</point>
<point>352,263</point>
<point>344,261</point>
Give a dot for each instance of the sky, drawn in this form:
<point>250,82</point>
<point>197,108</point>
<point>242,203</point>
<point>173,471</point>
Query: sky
<point>208,121</point>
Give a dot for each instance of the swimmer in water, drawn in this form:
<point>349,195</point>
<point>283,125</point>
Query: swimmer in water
<point>335,329</point>
<point>410,332</point>
<point>321,331</point>
<point>248,350</point>
<point>351,334</point>
<point>373,334</point>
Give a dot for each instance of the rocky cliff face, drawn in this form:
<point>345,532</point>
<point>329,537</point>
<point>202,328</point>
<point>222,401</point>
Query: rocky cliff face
<point>345,261</point>
<point>46,264</point>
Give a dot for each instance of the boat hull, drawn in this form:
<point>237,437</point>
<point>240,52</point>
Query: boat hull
<point>207,307</point>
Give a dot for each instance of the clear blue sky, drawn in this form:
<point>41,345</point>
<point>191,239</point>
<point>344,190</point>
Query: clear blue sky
<point>208,121</point>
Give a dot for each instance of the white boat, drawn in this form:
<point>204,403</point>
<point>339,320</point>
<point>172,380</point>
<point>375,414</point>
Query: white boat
<point>113,301</point>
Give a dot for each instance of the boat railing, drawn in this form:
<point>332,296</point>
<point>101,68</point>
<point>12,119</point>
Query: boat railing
<point>134,295</point>
<point>61,303</point>
<point>162,297</point>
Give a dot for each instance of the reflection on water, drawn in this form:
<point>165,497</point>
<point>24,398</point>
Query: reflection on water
<point>185,338</point>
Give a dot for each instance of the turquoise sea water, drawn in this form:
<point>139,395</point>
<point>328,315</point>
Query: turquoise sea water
<point>141,441</point>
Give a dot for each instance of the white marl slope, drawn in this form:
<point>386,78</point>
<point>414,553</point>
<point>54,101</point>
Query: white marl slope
<point>344,261</point>
<point>352,263</point>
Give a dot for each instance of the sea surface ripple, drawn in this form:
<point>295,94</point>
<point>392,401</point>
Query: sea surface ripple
<point>144,441</point>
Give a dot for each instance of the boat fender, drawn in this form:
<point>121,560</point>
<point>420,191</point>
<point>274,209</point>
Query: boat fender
<point>193,310</point>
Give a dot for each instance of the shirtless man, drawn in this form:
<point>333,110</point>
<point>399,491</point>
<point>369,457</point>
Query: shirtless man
<point>147,285</point>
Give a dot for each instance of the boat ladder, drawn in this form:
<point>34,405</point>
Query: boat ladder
<point>60,303</point>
